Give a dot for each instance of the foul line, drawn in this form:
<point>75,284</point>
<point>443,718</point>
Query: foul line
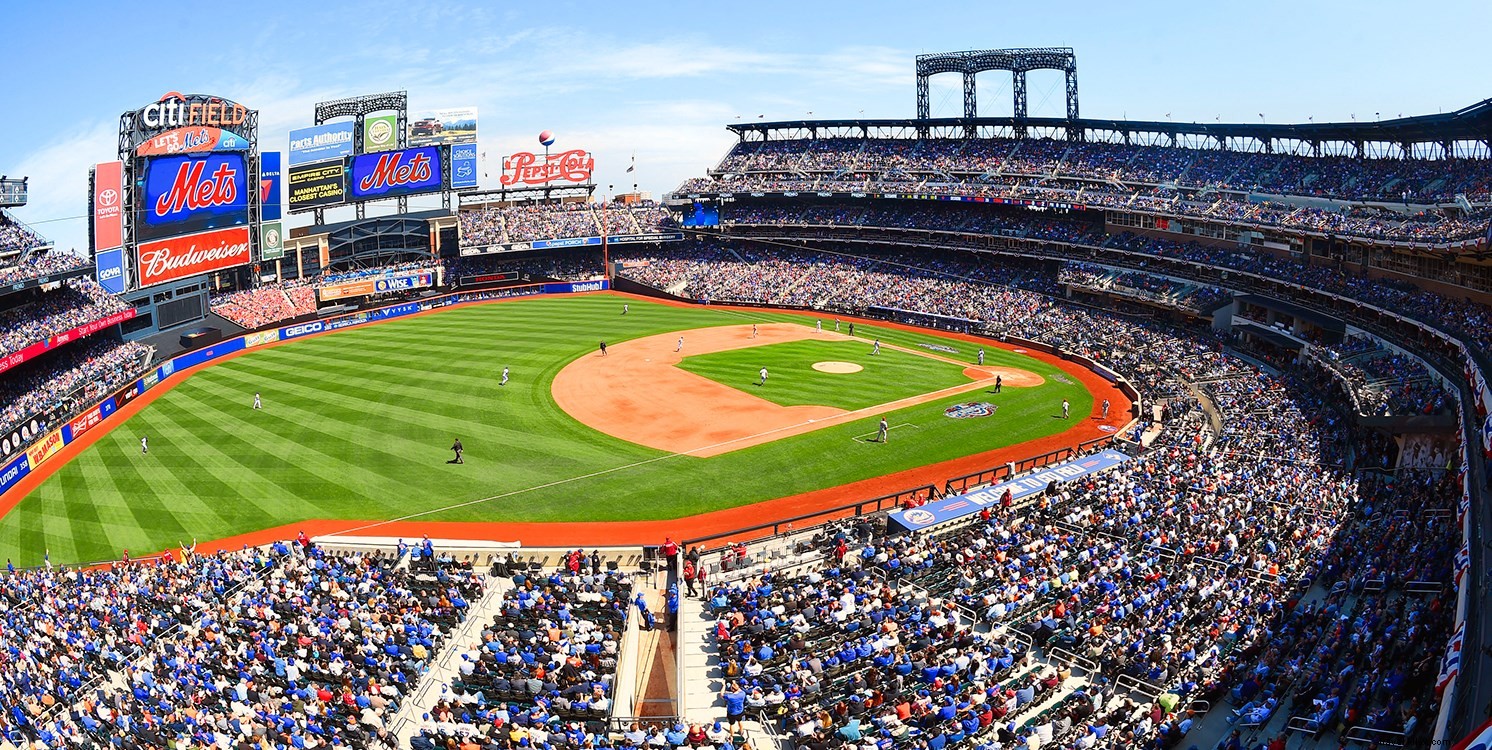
<point>861,438</point>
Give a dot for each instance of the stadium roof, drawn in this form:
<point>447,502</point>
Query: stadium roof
<point>1472,123</point>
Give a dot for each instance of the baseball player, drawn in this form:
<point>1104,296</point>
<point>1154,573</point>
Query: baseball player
<point>458,449</point>
<point>680,347</point>
<point>852,329</point>
<point>144,445</point>
<point>763,375</point>
<point>753,330</point>
<point>998,382</point>
<point>818,326</point>
<point>257,403</point>
<point>1105,408</point>
<point>1065,407</point>
<point>876,349</point>
<point>882,431</point>
<point>624,308</point>
<point>505,376</point>
<point>603,348</point>
<point>981,355</point>
<point>836,325</point>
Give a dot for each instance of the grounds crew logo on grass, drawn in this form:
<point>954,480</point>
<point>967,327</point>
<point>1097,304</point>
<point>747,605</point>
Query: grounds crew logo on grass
<point>939,348</point>
<point>970,410</point>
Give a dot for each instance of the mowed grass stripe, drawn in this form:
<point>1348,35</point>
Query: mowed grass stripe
<point>356,426</point>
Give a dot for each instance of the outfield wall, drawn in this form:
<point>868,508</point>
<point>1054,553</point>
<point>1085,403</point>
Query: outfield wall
<point>52,443</point>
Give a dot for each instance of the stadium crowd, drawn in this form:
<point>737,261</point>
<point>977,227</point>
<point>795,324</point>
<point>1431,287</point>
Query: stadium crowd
<point>527,222</point>
<point>1198,574</point>
<point>40,264</point>
<point>78,302</point>
<point>266,648</point>
<point>1177,181</point>
<point>79,373</point>
<point>16,237</point>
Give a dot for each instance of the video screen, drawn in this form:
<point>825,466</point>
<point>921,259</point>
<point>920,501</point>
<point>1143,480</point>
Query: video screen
<point>190,194</point>
<point>702,215</point>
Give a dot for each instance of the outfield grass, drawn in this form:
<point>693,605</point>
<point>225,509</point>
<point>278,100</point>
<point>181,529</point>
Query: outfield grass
<point>356,425</point>
<point>889,376</point>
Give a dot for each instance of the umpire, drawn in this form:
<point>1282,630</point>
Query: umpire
<point>456,446</point>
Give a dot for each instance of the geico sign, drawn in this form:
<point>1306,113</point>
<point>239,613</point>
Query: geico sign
<point>176,111</point>
<point>303,329</point>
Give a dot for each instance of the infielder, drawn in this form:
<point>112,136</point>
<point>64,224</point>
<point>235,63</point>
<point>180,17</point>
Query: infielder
<point>818,326</point>
<point>680,347</point>
<point>763,375</point>
<point>1065,407</point>
<point>753,330</point>
<point>876,349</point>
<point>1105,408</point>
<point>257,403</point>
<point>882,431</point>
<point>144,445</point>
<point>981,355</point>
<point>836,325</point>
<point>505,377</point>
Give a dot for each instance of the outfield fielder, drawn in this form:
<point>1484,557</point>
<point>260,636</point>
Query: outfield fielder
<point>763,375</point>
<point>144,445</point>
<point>981,355</point>
<point>257,403</point>
<point>624,308</point>
<point>505,377</point>
<point>882,431</point>
<point>876,349</point>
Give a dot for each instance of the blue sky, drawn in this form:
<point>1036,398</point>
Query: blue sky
<point>663,79</point>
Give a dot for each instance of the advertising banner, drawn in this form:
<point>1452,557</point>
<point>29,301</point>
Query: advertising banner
<point>565,242</point>
<point>44,448</point>
<point>21,436</point>
<point>14,472</point>
<point>110,269</point>
<point>271,241</point>
<point>186,194</point>
<point>434,127</point>
<point>192,359</point>
<point>181,257</point>
<point>365,287</point>
<point>41,347</point>
<point>536,169</point>
<point>463,166</point>
<point>317,185</point>
<point>319,143</point>
<point>380,133</point>
<point>89,419</point>
<point>385,175</point>
<point>959,506</point>
<point>108,201</point>
<point>260,338</point>
<point>599,285</point>
<point>302,329</point>
<point>190,141</point>
<point>629,239</point>
<point>270,188</point>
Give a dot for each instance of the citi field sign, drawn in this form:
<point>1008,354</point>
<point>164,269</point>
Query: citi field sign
<point>197,122</point>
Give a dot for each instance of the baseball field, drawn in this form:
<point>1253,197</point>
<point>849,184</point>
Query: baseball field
<point>672,422</point>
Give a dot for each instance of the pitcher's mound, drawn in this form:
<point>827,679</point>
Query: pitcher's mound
<point>837,367</point>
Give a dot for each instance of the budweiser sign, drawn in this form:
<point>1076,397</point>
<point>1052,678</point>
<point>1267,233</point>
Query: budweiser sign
<point>181,257</point>
<point>191,192</point>
<point>532,169</point>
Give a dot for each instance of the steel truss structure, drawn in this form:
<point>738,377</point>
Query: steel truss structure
<point>1018,61</point>
<point>358,108</point>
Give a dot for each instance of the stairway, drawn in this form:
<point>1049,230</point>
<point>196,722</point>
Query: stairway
<point>443,666</point>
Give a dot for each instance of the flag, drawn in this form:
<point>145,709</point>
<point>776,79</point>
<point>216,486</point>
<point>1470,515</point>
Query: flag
<point>1463,507</point>
<point>634,163</point>
<point>1450,666</point>
<point>1463,564</point>
<point>1487,437</point>
<point>1480,737</point>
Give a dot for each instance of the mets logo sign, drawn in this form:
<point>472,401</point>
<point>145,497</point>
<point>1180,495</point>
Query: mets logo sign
<point>970,410</point>
<point>919,517</point>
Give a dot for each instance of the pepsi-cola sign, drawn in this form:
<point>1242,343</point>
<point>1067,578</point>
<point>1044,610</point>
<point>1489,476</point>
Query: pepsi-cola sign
<point>184,194</point>
<point>392,173</point>
<point>524,168</point>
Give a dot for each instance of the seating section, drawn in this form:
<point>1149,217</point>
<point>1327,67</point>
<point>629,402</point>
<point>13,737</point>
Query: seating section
<point>528,223</point>
<point>78,302</point>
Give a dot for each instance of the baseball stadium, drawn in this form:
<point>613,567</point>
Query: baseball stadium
<point>928,433</point>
